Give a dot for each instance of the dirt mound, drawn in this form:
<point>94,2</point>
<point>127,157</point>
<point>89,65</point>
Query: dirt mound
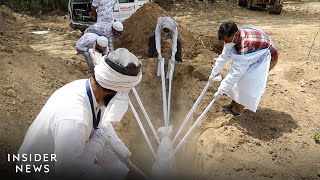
<point>141,23</point>
<point>7,14</point>
<point>27,79</point>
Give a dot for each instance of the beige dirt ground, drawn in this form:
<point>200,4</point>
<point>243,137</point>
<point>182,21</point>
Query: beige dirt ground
<point>276,142</point>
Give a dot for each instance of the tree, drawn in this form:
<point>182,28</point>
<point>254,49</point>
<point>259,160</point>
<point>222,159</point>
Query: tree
<point>57,4</point>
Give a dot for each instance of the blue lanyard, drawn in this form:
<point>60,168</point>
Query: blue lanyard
<point>96,120</point>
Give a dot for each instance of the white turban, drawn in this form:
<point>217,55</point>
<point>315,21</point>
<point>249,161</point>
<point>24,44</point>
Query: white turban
<point>117,26</point>
<point>102,41</point>
<point>110,77</point>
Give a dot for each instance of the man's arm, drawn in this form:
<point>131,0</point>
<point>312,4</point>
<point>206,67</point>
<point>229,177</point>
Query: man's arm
<point>158,37</point>
<point>111,139</point>
<point>220,62</point>
<point>274,56</point>
<point>82,44</point>
<point>94,6</point>
<point>110,43</point>
<point>174,42</point>
<point>69,140</point>
<point>238,69</point>
<point>94,13</point>
<point>273,62</point>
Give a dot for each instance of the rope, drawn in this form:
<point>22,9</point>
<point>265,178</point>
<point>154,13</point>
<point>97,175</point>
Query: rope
<point>142,129</point>
<point>195,105</point>
<point>169,101</point>
<point>164,97</point>
<point>193,127</point>
<point>171,70</point>
<point>145,113</point>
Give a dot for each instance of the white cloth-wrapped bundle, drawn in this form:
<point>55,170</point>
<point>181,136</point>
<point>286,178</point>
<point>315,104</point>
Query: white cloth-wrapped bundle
<point>164,167</point>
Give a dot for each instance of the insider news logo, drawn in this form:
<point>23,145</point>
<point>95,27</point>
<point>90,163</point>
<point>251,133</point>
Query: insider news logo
<point>32,163</point>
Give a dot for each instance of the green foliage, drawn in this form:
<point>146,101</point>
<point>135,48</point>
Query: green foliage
<point>317,137</point>
<point>36,6</point>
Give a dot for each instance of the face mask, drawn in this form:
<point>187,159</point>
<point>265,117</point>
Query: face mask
<point>117,107</point>
<point>107,99</point>
<point>231,44</point>
<point>166,34</point>
<point>227,49</point>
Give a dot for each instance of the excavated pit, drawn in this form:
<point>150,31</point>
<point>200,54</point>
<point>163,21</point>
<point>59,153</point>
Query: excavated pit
<point>150,92</point>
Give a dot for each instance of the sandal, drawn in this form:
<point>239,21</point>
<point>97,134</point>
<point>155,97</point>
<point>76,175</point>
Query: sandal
<point>232,113</point>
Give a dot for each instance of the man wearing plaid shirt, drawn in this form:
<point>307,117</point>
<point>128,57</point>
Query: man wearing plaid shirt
<point>249,40</point>
<point>109,30</point>
<point>244,40</point>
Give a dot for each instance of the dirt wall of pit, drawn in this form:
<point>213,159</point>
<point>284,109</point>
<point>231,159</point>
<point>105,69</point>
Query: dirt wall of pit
<point>150,92</point>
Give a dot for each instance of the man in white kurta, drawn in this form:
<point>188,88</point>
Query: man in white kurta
<point>69,123</point>
<point>92,47</point>
<point>102,10</point>
<point>253,54</point>
<point>109,30</point>
<point>166,28</point>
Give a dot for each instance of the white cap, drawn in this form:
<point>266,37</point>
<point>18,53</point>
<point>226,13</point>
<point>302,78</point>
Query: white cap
<point>117,26</point>
<point>102,41</point>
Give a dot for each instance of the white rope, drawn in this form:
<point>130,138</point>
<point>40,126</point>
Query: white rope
<point>142,129</point>
<point>169,101</point>
<point>164,97</point>
<point>193,127</point>
<point>171,70</point>
<point>195,105</point>
<point>145,113</point>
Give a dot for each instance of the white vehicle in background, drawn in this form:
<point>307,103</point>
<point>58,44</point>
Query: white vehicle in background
<point>81,15</point>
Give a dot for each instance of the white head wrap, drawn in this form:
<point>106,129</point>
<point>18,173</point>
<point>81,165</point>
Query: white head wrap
<point>102,41</point>
<point>110,78</point>
<point>117,26</point>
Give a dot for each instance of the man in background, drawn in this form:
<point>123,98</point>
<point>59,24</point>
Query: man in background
<point>109,30</point>
<point>92,41</point>
<point>166,28</point>
<point>102,10</point>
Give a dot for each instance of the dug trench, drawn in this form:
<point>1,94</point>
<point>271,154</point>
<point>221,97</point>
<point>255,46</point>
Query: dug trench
<point>150,92</point>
